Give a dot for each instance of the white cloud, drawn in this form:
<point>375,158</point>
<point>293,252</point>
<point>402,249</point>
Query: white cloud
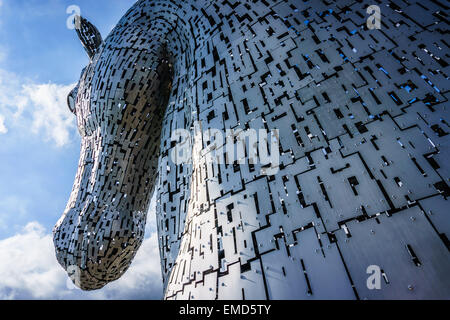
<point>50,112</point>
<point>27,267</point>
<point>3,128</point>
<point>29,270</point>
<point>40,108</point>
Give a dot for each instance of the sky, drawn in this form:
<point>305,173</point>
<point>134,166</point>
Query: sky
<point>40,62</point>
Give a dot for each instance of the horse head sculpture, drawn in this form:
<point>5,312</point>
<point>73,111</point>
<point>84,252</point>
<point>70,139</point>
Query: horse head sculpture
<point>342,179</point>
<point>119,103</point>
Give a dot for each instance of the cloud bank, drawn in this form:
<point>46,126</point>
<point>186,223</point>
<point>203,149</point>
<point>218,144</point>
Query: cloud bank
<point>29,270</point>
<point>36,108</point>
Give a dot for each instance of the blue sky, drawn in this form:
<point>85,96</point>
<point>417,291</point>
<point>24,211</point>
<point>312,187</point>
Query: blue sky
<point>40,61</point>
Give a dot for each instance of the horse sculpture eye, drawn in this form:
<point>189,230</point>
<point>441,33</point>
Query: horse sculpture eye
<point>71,99</point>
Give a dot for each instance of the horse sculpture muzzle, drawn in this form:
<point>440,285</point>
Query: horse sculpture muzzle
<point>120,124</point>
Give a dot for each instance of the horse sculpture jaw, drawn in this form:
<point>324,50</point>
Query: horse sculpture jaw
<point>103,225</point>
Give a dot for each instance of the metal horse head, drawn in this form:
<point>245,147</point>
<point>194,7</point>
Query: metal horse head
<point>119,103</point>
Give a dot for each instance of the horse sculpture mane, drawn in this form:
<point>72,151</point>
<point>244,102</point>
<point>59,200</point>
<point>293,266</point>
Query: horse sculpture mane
<point>353,178</point>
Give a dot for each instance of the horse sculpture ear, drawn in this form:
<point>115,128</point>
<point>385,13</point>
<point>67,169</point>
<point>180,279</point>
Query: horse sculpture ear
<point>89,35</point>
